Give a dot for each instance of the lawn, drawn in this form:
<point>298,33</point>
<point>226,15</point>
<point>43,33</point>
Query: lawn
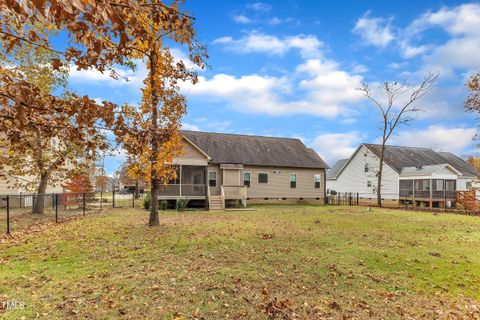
<point>285,262</point>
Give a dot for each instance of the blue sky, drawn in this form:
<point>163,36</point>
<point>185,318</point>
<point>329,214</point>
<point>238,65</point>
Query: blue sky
<point>290,68</point>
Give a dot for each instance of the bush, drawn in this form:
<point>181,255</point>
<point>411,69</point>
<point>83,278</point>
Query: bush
<point>181,204</point>
<point>163,205</point>
<point>333,192</point>
<point>147,199</point>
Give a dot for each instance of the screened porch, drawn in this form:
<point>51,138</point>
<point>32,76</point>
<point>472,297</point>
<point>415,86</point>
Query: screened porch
<point>428,189</point>
<point>190,184</point>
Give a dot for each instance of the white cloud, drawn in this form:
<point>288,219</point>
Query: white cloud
<point>336,146</point>
<point>128,77</point>
<point>259,6</point>
<point>359,68</point>
<point>437,137</point>
<point>308,45</point>
<point>274,21</point>
<point>242,19</point>
<point>326,90</point>
<point>374,31</point>
<point>460,51</point>
<point>189,126</point>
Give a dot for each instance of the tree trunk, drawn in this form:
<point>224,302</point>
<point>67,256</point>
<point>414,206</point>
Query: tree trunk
<point>154,221</point>
<point>379,178</point>
<point>39,204</point>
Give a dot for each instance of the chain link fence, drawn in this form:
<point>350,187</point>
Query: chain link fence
<point>22,211</point>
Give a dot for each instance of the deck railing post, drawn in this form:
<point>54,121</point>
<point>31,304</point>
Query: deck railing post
<point>84,203</point>
<point>56,208</point>
<point>8,214</point>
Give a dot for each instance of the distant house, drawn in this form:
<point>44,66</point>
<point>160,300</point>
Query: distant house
<point>218,168</point>
<point>419,175</point>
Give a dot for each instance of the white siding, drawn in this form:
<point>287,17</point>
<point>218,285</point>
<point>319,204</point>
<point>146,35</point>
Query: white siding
<point>353,178</point>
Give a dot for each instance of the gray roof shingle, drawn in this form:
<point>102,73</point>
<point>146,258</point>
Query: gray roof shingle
<point>334,171</point>
<point>255,150</point>
<point>400,157</point>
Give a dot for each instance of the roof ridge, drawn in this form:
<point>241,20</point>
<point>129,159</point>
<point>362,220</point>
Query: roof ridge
<point>392,146</point>
<point>243,135</point>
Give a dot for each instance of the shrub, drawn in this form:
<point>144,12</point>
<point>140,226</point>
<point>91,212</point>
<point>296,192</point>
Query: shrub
<point>333,192</point>
<point>163,205</point>
<point>147,199</point>
<point>181,204</point>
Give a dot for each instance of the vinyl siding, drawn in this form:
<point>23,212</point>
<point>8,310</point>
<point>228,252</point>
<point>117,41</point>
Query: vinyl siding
<point>353,178</point>
<point>278,185</point>
<point>216,168</point>
<point>191,156</point>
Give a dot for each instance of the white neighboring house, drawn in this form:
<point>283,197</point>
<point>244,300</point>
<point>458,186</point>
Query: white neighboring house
<point>409,174</point>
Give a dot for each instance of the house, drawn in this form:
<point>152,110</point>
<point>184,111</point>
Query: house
<point>218,168</point>
<point>419,175</point>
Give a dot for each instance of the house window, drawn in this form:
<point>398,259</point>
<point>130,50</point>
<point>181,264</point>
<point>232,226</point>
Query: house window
<point>293,180</point>
<point>263,177</point>
<point>469,185</point>
<point>246,179</point>
<point>366,167</point>
<point>369,184</point>
<point>316,179</point>
<point>212,179</point>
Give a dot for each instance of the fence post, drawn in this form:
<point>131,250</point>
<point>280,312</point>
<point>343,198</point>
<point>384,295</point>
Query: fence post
<point>84,204</point>
<point>357,199</point>
<point>113,198</point>
<point>56,208</point>
<point>133,200</point>
<point>101,199</point>
<point>8,214</point>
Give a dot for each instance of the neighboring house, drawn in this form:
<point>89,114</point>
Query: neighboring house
<point>9,185</point>
<point>419,175</point>
<point>104,183</point>
<point>217,168</point>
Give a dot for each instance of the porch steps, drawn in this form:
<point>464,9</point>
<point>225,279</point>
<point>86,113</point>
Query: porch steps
<point>468,200</point>
<point>215,203</point>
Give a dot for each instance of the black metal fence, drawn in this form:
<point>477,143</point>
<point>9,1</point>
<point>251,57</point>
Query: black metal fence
<point>344,199</point>
<point>21,211</point>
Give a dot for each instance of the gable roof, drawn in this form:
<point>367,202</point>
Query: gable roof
<point>334,171</point>
<point>398,157</point>
<point>427,170</point>
<point>255,150</point>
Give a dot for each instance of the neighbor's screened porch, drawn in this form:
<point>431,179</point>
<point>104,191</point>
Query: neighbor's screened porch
<point>428,189</point>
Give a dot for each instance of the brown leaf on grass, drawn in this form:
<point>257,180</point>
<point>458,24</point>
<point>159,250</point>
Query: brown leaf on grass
<point>276,309</point>
<point>435,254</point>
<point>267,236</point>
<point>334,305</point>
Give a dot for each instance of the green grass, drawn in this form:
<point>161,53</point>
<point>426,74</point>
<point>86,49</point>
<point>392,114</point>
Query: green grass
<point>301,262</point>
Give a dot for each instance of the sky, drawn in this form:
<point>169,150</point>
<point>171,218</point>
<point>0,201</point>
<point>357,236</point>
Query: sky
<point>291,68</point>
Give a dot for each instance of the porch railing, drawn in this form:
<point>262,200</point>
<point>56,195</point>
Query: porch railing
<point>234,193</point>
<point>424,194</point>
<point>183,190</point>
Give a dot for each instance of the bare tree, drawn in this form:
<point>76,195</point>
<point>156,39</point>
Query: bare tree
<point>396,103</point>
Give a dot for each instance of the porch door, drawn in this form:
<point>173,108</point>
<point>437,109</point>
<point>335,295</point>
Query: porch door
<point>231,177</point>
<point>196,180</point>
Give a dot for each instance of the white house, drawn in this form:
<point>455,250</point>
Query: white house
<point>409,174</point>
